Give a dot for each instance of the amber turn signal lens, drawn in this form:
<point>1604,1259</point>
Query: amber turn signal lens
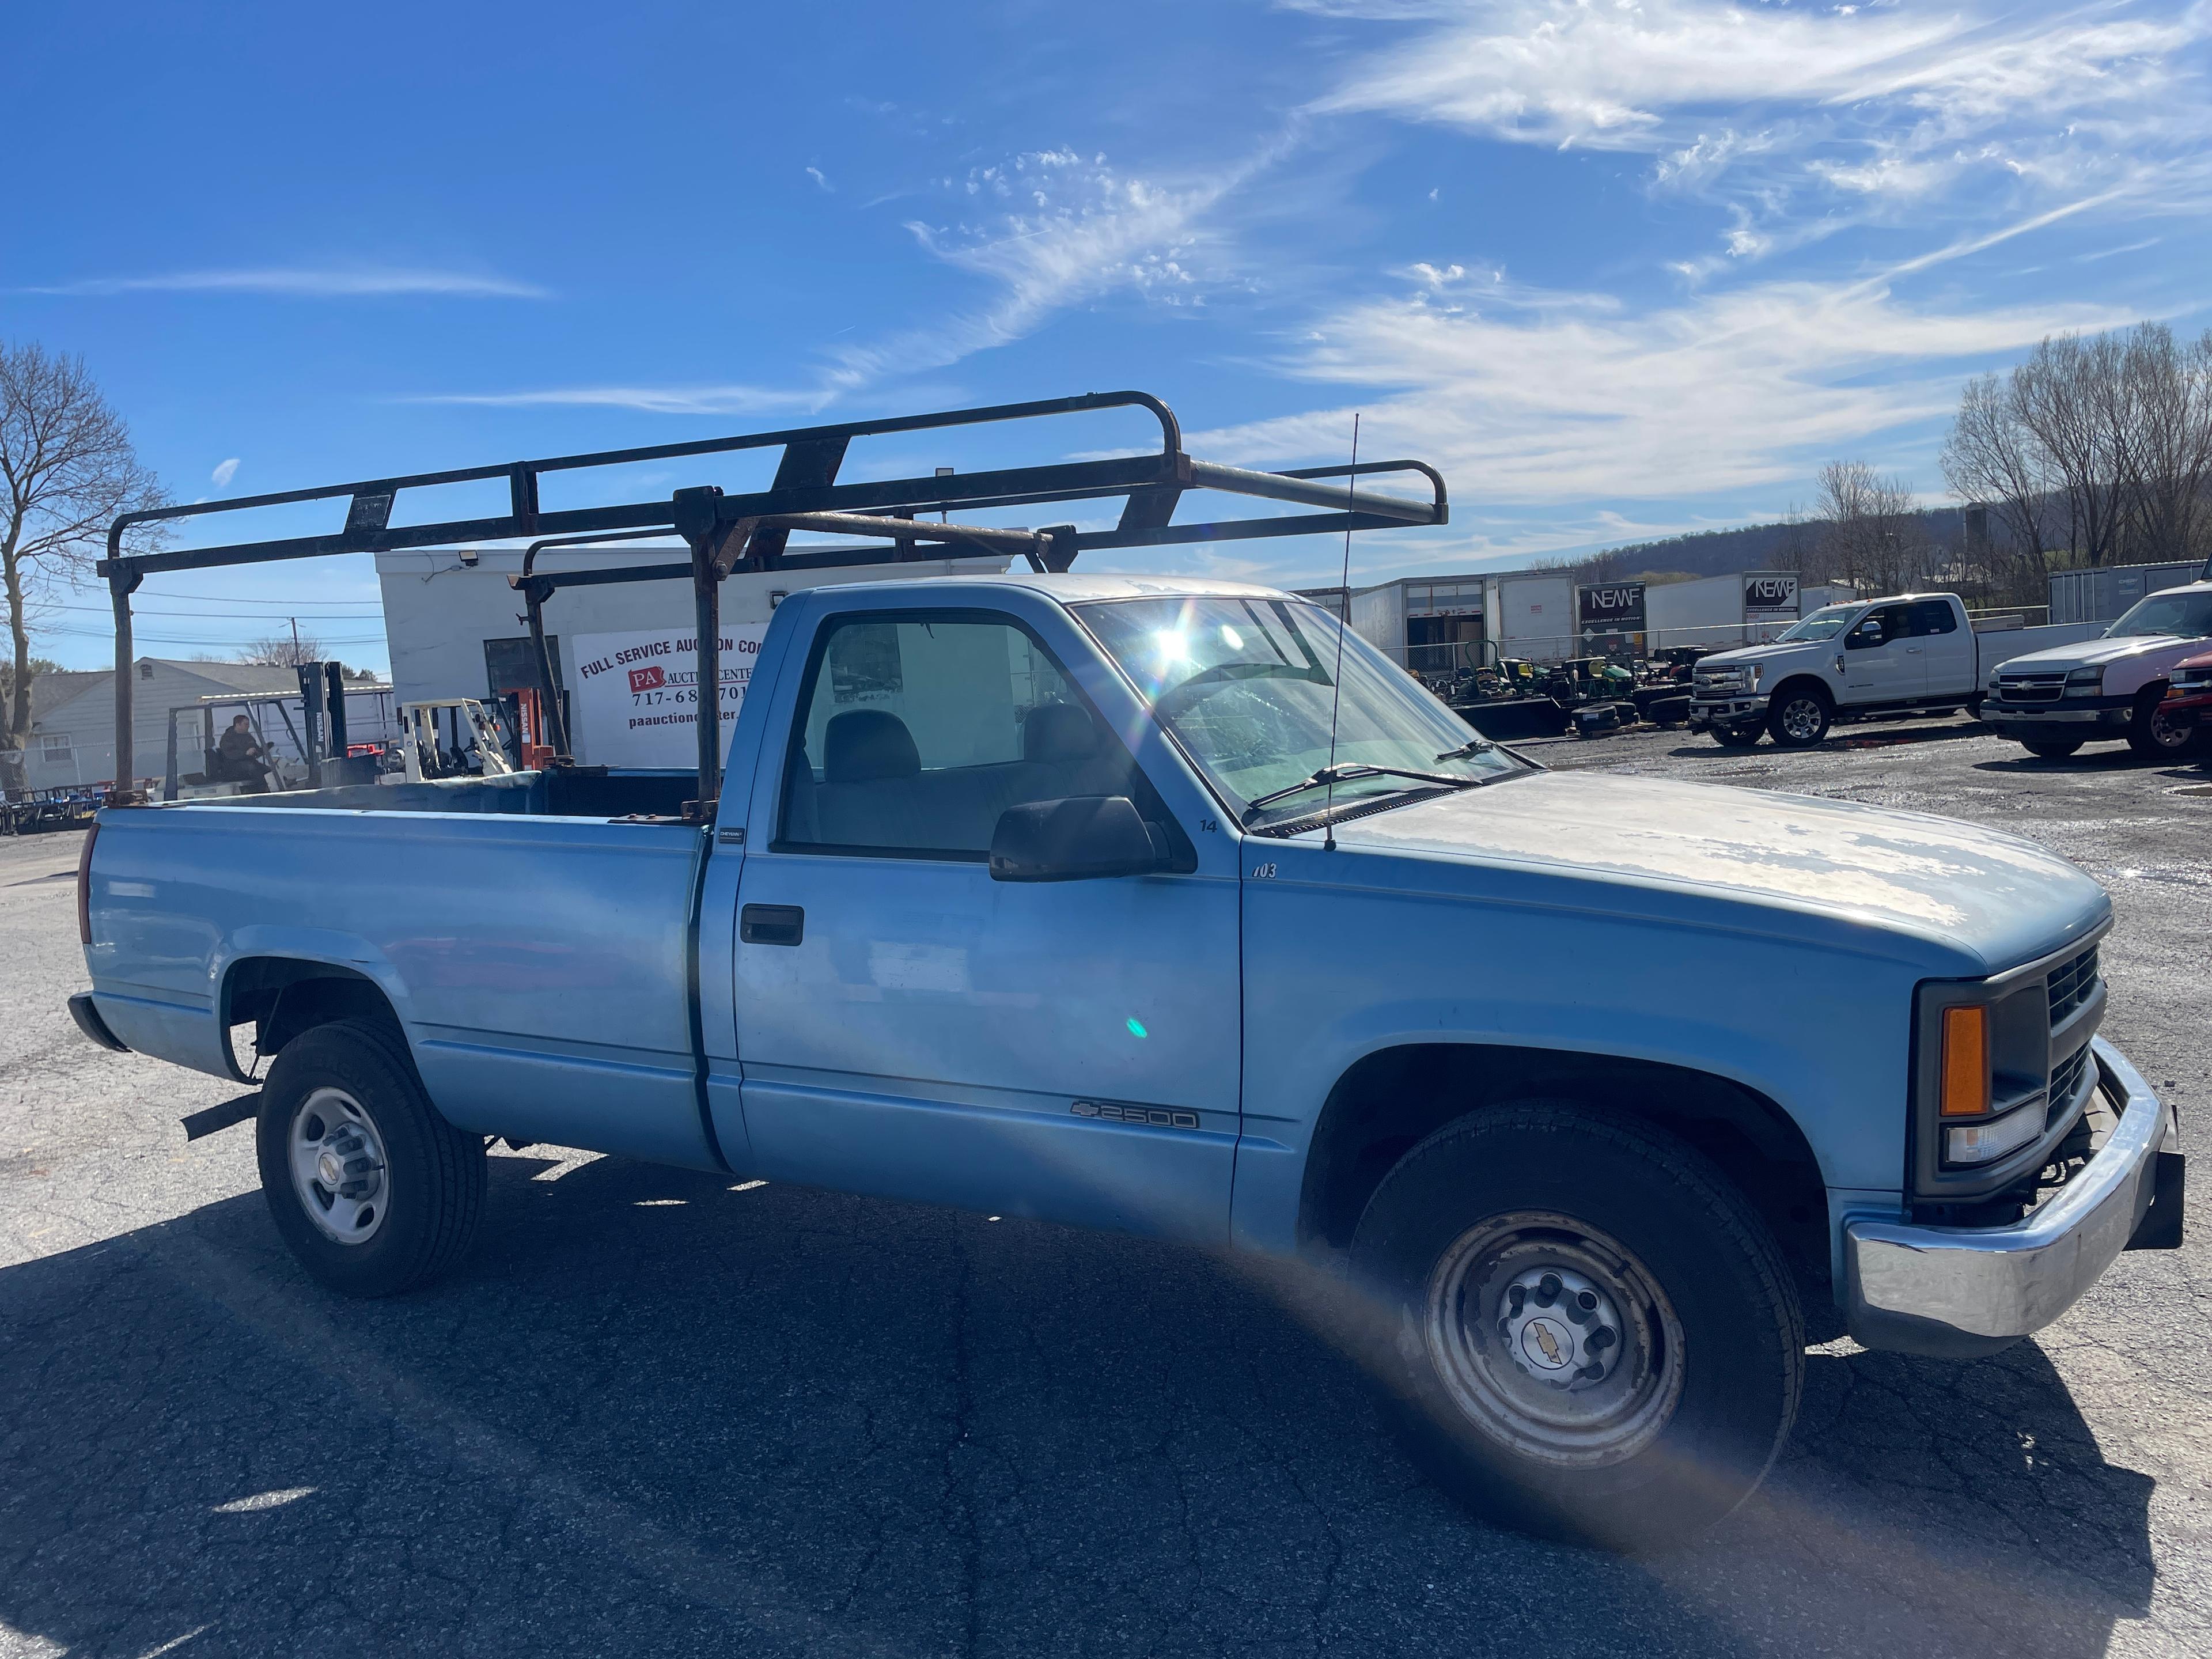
<point>1966,1062</point>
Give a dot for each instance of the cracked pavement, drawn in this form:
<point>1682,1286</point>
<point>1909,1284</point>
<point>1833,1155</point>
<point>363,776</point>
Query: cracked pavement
<point>658,1411</point>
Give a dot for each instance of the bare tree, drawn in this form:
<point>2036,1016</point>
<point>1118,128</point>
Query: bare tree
<point>68,469</point>
<point>1988,460</point>
<point>2163,405</point>
<point>284,650</point>
<point>2065,397</point>
<point>1872,534</point>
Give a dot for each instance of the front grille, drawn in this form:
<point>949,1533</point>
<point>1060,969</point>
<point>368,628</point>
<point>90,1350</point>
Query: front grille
<point>2071,984</point>
<point>2068,1078</point>
<point>2031,688</point>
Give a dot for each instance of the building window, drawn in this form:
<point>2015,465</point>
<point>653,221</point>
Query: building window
<point>54,745</point>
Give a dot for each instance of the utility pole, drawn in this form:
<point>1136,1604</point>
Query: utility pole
<point>294,621</point>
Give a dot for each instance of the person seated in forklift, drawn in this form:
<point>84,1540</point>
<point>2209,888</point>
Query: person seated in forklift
<point>239,758</point>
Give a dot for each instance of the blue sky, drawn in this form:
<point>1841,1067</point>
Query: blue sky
<point>1619,269</point>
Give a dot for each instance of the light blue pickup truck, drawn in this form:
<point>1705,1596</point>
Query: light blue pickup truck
<point>1170,908</point>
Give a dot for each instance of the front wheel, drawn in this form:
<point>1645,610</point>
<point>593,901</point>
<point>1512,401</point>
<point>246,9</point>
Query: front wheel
<point>1799,717</point>
<point>371,1188</point>
<point>2152,733</point>
<point>1591,1332</point>
<point>1736,737</point>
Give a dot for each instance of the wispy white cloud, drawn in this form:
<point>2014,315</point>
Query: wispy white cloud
<point>308,282</point>
<point>1872,110</point>
<point>1052,229</point>
<point>1572,400</point>
<point>1620,75</point>
<point>651,400</point>
<point>817,175</point>
<point>223,473</point>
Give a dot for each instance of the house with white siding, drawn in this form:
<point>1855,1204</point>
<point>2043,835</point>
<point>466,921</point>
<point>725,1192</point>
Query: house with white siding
<point>73,740</point>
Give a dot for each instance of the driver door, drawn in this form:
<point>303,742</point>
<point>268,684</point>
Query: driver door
<point>1879,662</point>
<point>910,1027</point>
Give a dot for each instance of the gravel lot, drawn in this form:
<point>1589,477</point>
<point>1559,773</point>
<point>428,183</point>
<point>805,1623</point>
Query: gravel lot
<point>663,1413</point>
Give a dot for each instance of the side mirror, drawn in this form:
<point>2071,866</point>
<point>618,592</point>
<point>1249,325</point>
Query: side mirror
<point>1867,632</point>
<point>1079,839</point>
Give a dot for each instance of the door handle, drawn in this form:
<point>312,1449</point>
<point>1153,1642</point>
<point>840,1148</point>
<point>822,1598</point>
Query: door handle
<point>771,924</point>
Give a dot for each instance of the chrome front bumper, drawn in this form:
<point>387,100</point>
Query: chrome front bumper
<point>1959,1293</point>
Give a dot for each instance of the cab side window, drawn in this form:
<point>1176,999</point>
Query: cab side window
<point>1878,627</point>
<point>916,730</point>
<point>1931,616</point>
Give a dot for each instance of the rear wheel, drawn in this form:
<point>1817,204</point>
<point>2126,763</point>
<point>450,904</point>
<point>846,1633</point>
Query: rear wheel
<point>1799,716</point>
<point>2052,748</point>
<point>374,1192</point>
<point>2151,733</point>
<point>1591,1333</point>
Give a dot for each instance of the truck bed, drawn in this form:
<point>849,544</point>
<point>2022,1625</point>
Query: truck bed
<point>539,964</point>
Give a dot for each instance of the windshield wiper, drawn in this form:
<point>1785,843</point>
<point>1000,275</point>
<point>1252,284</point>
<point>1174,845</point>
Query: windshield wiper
<point>1346,774</point>
<point>1468,750</point>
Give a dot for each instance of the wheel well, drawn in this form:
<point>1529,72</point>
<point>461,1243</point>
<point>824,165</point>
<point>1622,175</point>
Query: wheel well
<point>1391,1101</point>
<point>1818,686</point>
<point>284,996</point>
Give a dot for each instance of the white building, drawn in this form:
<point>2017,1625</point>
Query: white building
<point>73,717</point>
<point>1434,624</point>
<point>457,629</point>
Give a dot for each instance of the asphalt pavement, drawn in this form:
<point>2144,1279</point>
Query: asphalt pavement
<point>663,1413</point>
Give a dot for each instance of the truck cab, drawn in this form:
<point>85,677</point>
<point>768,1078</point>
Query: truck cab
<point>1908,653</point>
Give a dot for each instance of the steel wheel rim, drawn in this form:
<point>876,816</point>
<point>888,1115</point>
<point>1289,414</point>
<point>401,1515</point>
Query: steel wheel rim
<point>2164,733</point>
<point>339,1171</point>
<point>1474,1327</point>
<point>1801,719</point>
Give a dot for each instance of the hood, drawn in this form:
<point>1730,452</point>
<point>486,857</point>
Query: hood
<point>1955,886</point>
<point>1747,654</point>
<point>2095,654</point>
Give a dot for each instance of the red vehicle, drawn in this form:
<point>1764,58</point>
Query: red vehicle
<point>2188,700</point>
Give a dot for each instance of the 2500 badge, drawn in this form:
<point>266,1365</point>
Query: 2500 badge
<point>1158,1117</point>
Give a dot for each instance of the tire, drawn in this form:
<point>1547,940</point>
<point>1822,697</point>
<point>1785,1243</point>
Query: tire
<point>1737,737</point>
<point>2052,748</point>
<point>1799,716</point>
<point>373,1191</point>
<point>1709,1351</point>
<point>2153,736</point>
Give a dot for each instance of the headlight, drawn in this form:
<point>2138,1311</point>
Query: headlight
<point>1984,1076</point>
<point>2085,682</point>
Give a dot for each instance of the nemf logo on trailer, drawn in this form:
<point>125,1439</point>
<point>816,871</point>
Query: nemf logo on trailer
<point>1769,593</point>
<point>1610,607</point>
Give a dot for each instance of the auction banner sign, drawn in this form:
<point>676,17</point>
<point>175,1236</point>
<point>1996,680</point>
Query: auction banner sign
<point>637,693</point>
<point>1610,608</point>
<point>1768,594</point>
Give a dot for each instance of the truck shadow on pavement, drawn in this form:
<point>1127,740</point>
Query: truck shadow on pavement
<point>668,1413</point>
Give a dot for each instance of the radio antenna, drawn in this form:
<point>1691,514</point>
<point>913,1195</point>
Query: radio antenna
<point>1343,623</point>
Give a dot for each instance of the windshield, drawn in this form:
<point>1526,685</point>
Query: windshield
<point>1823,624</point>
<point>2184,613</point>
<point>1247,686</point>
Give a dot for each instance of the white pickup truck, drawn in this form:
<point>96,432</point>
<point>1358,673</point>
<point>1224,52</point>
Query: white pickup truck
<point>2111,686</point>
<point>1909,653</point>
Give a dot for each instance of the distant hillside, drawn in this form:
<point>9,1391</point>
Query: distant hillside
<point>1750,547</point>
